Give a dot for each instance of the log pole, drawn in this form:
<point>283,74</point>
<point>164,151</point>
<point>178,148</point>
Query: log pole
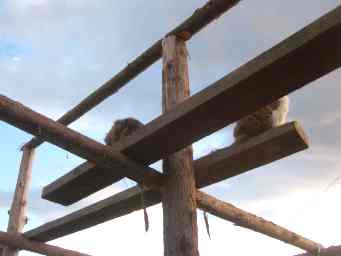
<point>32,122</point>
<point>18,218</point>
<point>178,194</point>
<point>20,242</point>
<point>250,221</point>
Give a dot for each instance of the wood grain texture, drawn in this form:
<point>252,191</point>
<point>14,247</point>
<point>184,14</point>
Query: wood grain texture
<point>200,18</point>
<point>289,138</point>
<point>330,251</point>
<point>302,58</point>
<point>17,216</point>
<point>20,242</point>
<point>32,122</point>
<point>250,221</point>
<point>180,230</point>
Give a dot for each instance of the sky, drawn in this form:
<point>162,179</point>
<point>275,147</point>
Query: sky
<point>54,53</point>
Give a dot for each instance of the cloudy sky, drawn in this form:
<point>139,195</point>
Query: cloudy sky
<point>54,53</point>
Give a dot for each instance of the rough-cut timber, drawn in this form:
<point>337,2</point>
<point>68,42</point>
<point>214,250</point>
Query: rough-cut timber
<point>20,242</point>
<point>247,220</point>
<point>265,148</point>
<point>223,164</point>
<point>180,230</point>
<point>113,207</point>
<point>32,122</point>
<point>18,218</point>
<point>200,18</point>
<point>330,251</point>
<point>302,58</point>
<point>219,165</point>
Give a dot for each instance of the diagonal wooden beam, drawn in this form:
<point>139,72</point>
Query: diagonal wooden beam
<point>302,58</point>
<point>217,166</point>
<point>330,251</point>
<point>200,19</point>
<point>247,220</point>
<point>225,163</point>
<point>32,122</point>
<point>20,242</point>
<point>117,206</point>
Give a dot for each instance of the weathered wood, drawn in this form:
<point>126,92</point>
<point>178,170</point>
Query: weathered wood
<point>20,242</point>
<point>263,149</point>
<point>222,164</point>
<point>298,60</point>
<point>200,18</point>
<point>180,230</point>
<point>113,207</point>
<point>250,221</point>
<point>330,251</point>
<point>17,216</point>
<point>32,122</point>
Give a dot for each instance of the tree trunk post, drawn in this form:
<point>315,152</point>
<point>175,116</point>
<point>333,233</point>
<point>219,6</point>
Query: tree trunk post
<point>18,218</point>
<point>178,195</point>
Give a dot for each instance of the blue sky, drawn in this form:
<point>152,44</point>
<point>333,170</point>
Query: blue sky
<point>54,53</point>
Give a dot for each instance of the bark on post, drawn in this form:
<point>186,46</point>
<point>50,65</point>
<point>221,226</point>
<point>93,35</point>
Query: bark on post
<point>178,195</point>
<point>18,218</point>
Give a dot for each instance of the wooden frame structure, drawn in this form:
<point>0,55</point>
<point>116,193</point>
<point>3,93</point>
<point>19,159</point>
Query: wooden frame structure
<point>302,58</point>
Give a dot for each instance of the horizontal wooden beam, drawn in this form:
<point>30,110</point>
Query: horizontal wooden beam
<point>250,221</point>
<point>113,207</point>
<point>32,122</point>
<point>302,58</point>
<point>225,163</point>
<point>272,145</point>
<point>221,164</point>
<point>330,251</point>
<point>200,18</point>
<point>20,242</point>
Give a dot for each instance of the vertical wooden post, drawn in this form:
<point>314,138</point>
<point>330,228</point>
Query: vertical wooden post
<point>18,219</point>
<point>178,195</point>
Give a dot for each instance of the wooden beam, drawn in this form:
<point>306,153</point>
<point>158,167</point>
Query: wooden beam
<point>302,58</point>
<point>263,149</point>
<point>32,122</point>
<point>270,146</point>
<point>180,234</point>
<point>130,200</point>
<point>289,138</point>
<point>330,251</point>
<point>20,242</point>
<point>250,221</point>
<point>113,207</point>
<point>200,19</point>
<point>17,216</point>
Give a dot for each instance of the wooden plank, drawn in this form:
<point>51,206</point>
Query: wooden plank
<point>302,58</point>
<point>330,251</point>
<point>113,207</point>
<point>180,234</point>
<point>32,122</point>
<point>248,220</point>
<point>263,149</point>
<point>200,18</point>
<point>224,163</point>
<point>20,242</point>
<point>289,138</point>
<point>17,216</point>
